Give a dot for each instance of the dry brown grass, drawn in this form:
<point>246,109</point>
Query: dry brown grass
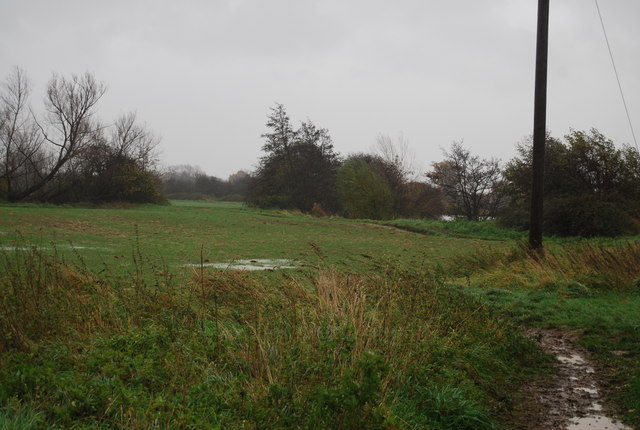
<point>270,322</point>
<point>613,267</point>
<point>42,297</point>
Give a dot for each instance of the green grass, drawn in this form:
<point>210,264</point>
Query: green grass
<point>610,330</point>
<point>392,349</point>
<point>380,328</point>
<point>460,228</point>
<point>21,419</point>
<point>176,235</point>
<point>589,286</point>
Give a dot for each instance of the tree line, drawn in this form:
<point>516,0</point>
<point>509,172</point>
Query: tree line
<point>591,187</point>
<point>300,169</point>
<point>67,154</point>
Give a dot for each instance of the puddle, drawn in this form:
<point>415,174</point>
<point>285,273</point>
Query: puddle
<point>46,248</point>
<point>596,407</point>
<point>17,248</point>
<point>250,265</point>
<point>572,359</point>
<point>596,422</point>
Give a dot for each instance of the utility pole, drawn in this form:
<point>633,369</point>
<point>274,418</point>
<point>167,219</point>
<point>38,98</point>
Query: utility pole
<point>539,127</point>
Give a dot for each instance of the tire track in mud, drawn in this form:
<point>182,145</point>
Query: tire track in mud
<point>570,400</point>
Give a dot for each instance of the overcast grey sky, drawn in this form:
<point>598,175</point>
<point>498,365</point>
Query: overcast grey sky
<point>203,74</point>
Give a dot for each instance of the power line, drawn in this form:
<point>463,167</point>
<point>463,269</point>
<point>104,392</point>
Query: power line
<point>615,69</point>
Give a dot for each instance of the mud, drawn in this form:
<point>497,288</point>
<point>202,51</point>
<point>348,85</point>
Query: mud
<point>572,398</point>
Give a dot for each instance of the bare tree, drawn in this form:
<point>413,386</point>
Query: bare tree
<point>69,125</point>
<point>134,141</point>
<point>398,154</point>
<point>471,183</point>
<point>20,140</point>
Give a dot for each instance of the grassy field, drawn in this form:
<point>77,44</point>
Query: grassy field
<point>103,326</point>
<point>177,234</point>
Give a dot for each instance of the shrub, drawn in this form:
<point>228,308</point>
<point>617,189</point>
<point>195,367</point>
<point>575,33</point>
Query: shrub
<point>363,192</point>
<point>586,216</point>
<point>591,187</point>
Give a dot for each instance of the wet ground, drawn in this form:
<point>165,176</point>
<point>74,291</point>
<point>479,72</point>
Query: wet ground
<point>251,265</point>
<point>46,248</point>
<point>570,400</point>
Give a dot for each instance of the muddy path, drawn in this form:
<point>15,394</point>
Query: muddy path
<point>569,400</point>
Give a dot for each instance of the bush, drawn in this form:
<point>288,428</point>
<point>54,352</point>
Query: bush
<point>586,216</point>
<point>363,192</point>
<point>591,188</point>
<point>126,181</point>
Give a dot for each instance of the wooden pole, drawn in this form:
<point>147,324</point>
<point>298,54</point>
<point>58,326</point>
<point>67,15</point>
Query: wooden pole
<point>539,126</point>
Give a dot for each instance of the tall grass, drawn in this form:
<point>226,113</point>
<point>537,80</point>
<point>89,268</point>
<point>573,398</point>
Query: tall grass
<point>597,266</point>
<point>614,267</point>
<point>392,349</point>
<point>42,297</point>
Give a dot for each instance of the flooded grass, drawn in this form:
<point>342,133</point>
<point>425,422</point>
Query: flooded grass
<point>251,265</point>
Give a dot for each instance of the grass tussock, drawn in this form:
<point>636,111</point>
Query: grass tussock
<point>395,349</point>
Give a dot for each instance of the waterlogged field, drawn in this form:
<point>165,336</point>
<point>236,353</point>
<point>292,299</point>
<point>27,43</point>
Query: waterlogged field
<point>216,231</point>
<point>146,317</point>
